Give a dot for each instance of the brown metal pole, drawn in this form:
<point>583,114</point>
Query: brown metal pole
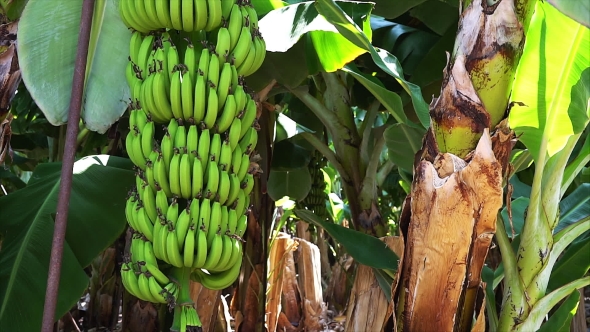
<point>67,168</point>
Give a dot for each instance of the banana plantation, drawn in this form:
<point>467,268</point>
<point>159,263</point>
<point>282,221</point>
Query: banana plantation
<point>268,165</point>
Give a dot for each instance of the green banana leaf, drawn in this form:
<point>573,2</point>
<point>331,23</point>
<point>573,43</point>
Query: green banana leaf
<point>264,6</point>
<point>383,59</point>
<point>544,79</point>
<point>574,207</point>
<point>282,28</point>
<point>572,265</point>
<point>47,45</point>
<point>365,249</point>
<point>561,320</point>
<point>403,141</point>
<point>95,219</point>
<point>577,10</point>
<point>294,183</point>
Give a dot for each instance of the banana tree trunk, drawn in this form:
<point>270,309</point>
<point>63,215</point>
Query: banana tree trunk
<point>459,173</point>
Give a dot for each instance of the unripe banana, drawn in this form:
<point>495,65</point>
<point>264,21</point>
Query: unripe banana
<point>248,184</point>
<point>187,97</point>
<point>141,17</point>
<point>214,222</point>
<point>241,100</point>
<point>245,67</point>
<point>248,117</point>
<point>242,47</point>
<point>129,212</point>
<point>149,203</point>
<point>232,221</point>
<point>236,161</point>
<point>192,143</point>
<point>166,154</point>
<point>235,78</point>
<point>161,202</point>
<point>222,46</point>
<point>219,280</point>
<point>138,152</point>
<point>214,15</point>
<point>189,247</point>
<point>130,281</point>
<point>201,11</point>
<point>236,253</point>
<point>226,7</point>
<point>212,183</point>
<point>224,224</point>
<point>144,288</point>
<point>160,95</point>
<point>234,189</point>
<point>233,135</point>
<point>204,60</point>
<point>260,45</point>
<point>234,25</point>
<point>252,16</point>
<point>214,251</point>
<point>201,248</point>
<point>176,93</point>
<point>157,291</point>
<point>214,70</point>
<point>224,187</point>
<point>188,19</point>
<point>144,53</point>
<point>147,139</point>
<point>135,46</point>
<point>225,254</point>
<point>225,81</point>
<point>204,215</point>
<point>182,225</point>
<point>176,14</point>
<point>172,59</point>
<point>173,250</point>
<point>197,179</point>
<point>145,225</point>
<point>190,60</point>
<point>160,238</point>
<point>240,203</point>
<point>212,107</point>
<point>180,139</point>
<point>225,156</point>
<point>215,148</point>
<point>242,225</point>
<point>185,176</point>
<point>152,15</point>
<point>130,148</point>
<point>200,98</point>
<point>248,142</point>
<point>148,255</point>
<point>203,148</point>
<point>174,174</point>
<point>244,167</point>
<point>163,12</point>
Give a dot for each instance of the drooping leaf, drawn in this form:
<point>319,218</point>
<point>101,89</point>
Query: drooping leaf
<point>47,45</point>
<point>388,98</point>
<point>573,264</point>
<point>574,207</point>
<point>554,88</point>
<point>264,6</point>
<point>95,219</point>
<point>403,141</point>
<point>283,27</point>
<point>383,59</point>
<point>289,156</point>
<point>561,319</point>
<point>437,15</point>
<point>365,249</point>
<point>576,10</point>
<point>294,183</point>
<point>394,8</point>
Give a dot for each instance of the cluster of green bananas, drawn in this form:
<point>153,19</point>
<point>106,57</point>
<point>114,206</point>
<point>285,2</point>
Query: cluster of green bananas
<point>189,207</point>
<point>315,200</point>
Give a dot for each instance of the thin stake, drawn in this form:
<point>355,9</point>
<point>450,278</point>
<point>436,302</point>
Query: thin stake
<point>67,168</point>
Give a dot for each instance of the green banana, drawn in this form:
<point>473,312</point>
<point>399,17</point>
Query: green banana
<point>200,101</point>
<point>248,142</point>
<point>176,14</point>
<point>188,18</point>
<point>174,174</point>
<point>173,250</point>
<point>248,117</point>
<point>201,248</point>
<point>204,215</point>
<point>215,148</point>
<point>225,156</point>
<point>233,135</point>
<point>219,280</point>
<point>234,25</point>
<point>212,184</point>
<point>214,223</point>
<point>144,288</point>
<point>214,251</point>
<point>226,253</point>
<point>214,15</point>
<point>244,166</point>
<point>197,179</point>
<point>234,189</point>
<point>203,148</point>
<point>180,139</point>
<point>242,225</point>
<point>157,291</point>
<point>248,184</point>
<point>236,161</point>
<point>185,176</point>
<point>225,80</point>
<point>192,143</point>
<point>189,247</point>
<point>186,91</point>
<point>222,46</point>
<point>176,93</point>
<point>212,107</point>
<point>242,47</point>
<point>202,14</point>
<point>182,226</point>
<point>224,187</point>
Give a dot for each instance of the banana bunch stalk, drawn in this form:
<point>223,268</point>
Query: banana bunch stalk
<point>315,200</point>
<point>191,134</point>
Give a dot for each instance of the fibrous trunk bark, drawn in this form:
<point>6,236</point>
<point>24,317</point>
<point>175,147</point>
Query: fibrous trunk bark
<point>450,214</point>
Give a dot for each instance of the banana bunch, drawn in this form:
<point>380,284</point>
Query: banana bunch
<point>315,200</point>
<point>192,131</point>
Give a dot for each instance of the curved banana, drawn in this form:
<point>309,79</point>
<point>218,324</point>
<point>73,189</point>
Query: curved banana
<point>242,225</point>
<point>222,46</point>
<point>225,80</point>
<point>202,14</point>
<point>144,52</point>
<point>190,60</point>
<point>234,189</point>
<point>201,248</point>
<point>245,67</point>
<point>240,51</point>
<point>248,142</point>
<point>144,288</point>
<point>172,59</point>
<point>236,253</point>
<point>160,95</point>
<point>224,187</point>
<point>204,215</point>
<point>180,139</point>
<point>185,176</point>
<point>152,15</point>
<point>173,250</point>
<point>147,139</point>
<point>219,280</point>
<point>204,60</point>
<point>148,255</point>
<point>226,7</point>
<point>225,156</point>
<point>174,174</point>
<point>192,143</point>
<point>233,136</point>
<point>142,17</point>
<point>176,14</point>
<point>240,203</point>
<point>144,224</point>
<point>186,91</point>
<point>189,247</point>
<point>161,175</point>
<point>135,46</point>
<point>214,252</point>
<point>224,219</point>
<point>244,166</point>
<point>203,148</point>
<point>197,179</point>
<point>234,25</point>
<point>213,70</point>
<point>248,117</point>
<point>248,184</point>
<point>130,281</point>
<point>149,203</point>
<point>200,100</point>
<point>232,221</point>
<point>215,148</point>
<point>182,226</point>
<point>214,15</point>
<point>236,160</point>
<point>252,16</point>
<point>212,184</point>
<point>241,99</point>
<point>226,253</point>
<point>163,12</point>
<point>260,54</point>
<point>158,293</point>
<point>188,19</point>
<point>212,108</point>
<point>176,93</point>
<point>157,273</point>
<point>214,223</point>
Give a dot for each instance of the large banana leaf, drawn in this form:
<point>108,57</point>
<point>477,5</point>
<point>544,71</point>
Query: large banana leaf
<point>96,218</point>
<point>47,44</point>
<point>553,88</point>
<point>283,27</point>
